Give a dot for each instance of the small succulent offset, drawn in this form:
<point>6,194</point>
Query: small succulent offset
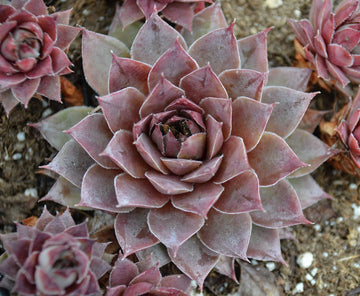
<point>198,146</point>
<point>55,257</point>
<point>180,12</point>
<point>330,40</point>
<point>143,277</point>
<point>32,56</point>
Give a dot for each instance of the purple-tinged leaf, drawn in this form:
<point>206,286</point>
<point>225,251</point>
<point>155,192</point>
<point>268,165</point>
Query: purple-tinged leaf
<point>336,72</point>
<point>310,150</point>
<point>207,20</point>
<point>121,108</point>
<point>193,147</point>
<point>126,72</point>
<point>132,192</point>
<point>151,275</point>
<point>194,259</point>
<point>24,91</point>
<point>161,95</point>
<point>282,207</point>
<point>202,83</point>
<point>221,110</point>
<point>253,52</point>
<point>321,67</point>
<point>36,7</point>
<point>180,166</point>
<point>173,226</point>
<point>50,87</point>
<point>289,108</point>
<point>227,234</point>
<point>173,65</point>
<point>272,159</point>
<point>347,37</point>
<point>339,56</point>
<point>320,45</point>
<point>308,191</point>
<point>8,101</point>
<point>291,77</point>
<point>123,272</point>
<point>179,13</point>
<point>241,194</point>
<point>168,184</point>
<point>200,200</point>
<point>96,52</point>
<point>217,48</point>
<point>205,172</point>
<point>153,39</point>
<point>71,162</point>
<point>149,153</point>
<point>265,244</point>
<point>98,190</point>
<point>132,233</point>
<point>66,34</point>
<point>93,134</point>
<point>129,13</point>
<point>344,10</point>
<point>176,281</point>
<point>249,120</point>
<point>123,152</point>
<point>53,126</point>
<point>150,7</point>
<point>158,253</point>
<point>215,138</point>
<point>311,119</point>
<point>235,160</point>
<point>243,82</point>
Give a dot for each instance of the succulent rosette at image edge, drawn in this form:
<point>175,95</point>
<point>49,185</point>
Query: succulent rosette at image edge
<point>32,56</point>
<point>128,278</point>
<point>197,147</point>
<point>330,40</point>
<point>55,257</point>
<point>180,12</point>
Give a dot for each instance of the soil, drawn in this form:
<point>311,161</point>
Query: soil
<point>333,239</point>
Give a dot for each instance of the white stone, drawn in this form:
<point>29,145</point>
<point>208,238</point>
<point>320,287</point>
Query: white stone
<point>21,136</point>
<point>46,113</point>
<point>314,271</point>
<point>356,209</point>
<point>326,254</point>
<point>297,13</point>
<point>270,266</point>
<point>17,156</point>
<point>353,186</point>
<point>305,260</point>
<point>317,227</point>
<point>299,288</point>
<point>273,3</point>
<point>31,192</point>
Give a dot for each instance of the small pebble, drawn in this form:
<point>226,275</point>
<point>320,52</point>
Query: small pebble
<point>326,254</point>
<point>270,266</point>
<point>21,136</point>
<point>273,3</point>
<point>317,227</point>
<point>297,13</point>
<point>352,186</point>
<point>17,156</point>
<point>356,209</point>
<point>299,288</point>
<point>85,12</point>
<point>46,113</point>
<point>314,271</point>
<point>31,192</point>
<point>305,260</point>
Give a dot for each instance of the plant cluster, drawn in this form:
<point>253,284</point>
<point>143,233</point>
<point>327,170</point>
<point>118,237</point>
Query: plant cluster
<point>200,152</point>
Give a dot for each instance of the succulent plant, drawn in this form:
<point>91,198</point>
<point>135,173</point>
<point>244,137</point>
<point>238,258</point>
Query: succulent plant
<point>330,40</point>
<point>180,12</point>
<point>197,147</point>
<point>144,277</point>
<point>55,257</point>
<point>32,51</point>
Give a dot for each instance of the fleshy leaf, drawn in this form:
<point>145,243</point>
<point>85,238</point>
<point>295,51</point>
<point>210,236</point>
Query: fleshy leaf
<point>291,77</point>
<point>194,259</point>
<point>282,207</point>
<point>265,244</point>
<point>98,190</point>
<point>93,134</point>
<point>310,150</point>
<point>71,163</point>
<point>249,119</point>
<point>52,127</point>
<point>241,194</point>
<point>227,234</point>
<point>308,191</point>
<point>153,39</point>
<point>205,172</point>
<point>289,108</point>
<point>219,48</point>
<point>173,226</point>
<point>123,152</point>
<point>273,159</point>
<point>132,231</point>
<point>180,166</point>
<point>96,53</point>
<point>200,200</point>
<point>168,184</point>
<point>132,192</point>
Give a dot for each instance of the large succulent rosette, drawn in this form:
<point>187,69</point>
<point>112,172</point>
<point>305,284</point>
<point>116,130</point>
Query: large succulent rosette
<point>144,277</point>
<point>330,40</point>
<point>197,147</point>
<point>55,257</point>
<point>32,56</point>
<point>180,12</point>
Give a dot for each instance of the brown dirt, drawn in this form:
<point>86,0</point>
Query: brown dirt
<point>333,240</point>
